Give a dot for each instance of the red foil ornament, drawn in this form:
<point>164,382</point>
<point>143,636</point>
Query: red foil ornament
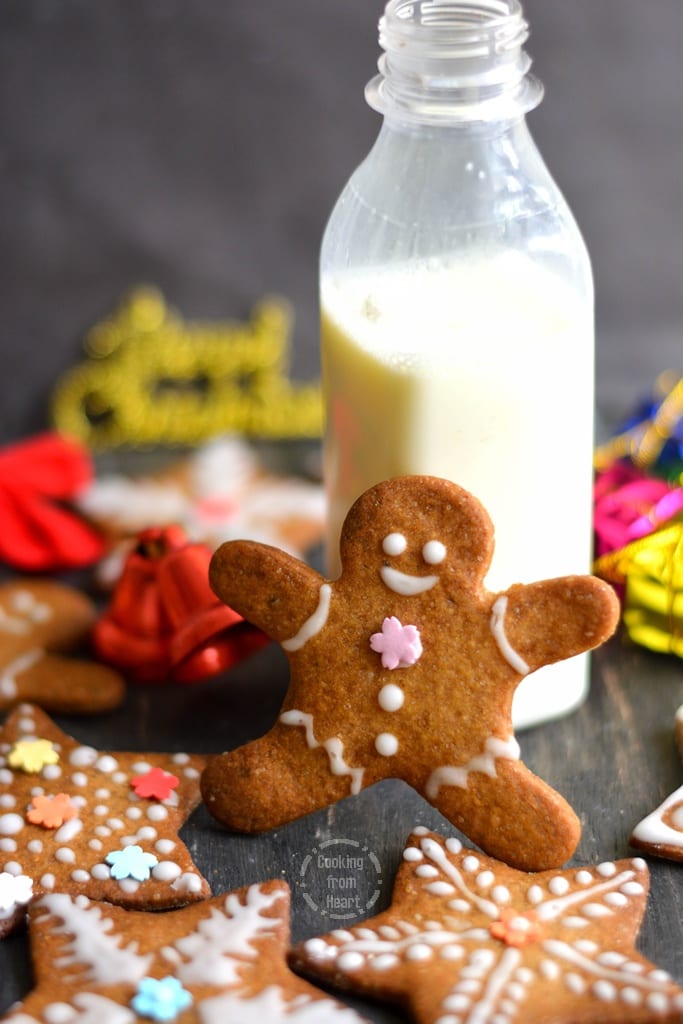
<point>164,623</point>
<point>38,530</point>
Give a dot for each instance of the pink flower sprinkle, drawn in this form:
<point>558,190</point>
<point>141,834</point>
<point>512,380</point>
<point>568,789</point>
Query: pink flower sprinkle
<point>400,646</point>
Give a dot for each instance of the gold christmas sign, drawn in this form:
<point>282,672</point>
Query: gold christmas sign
<point>149,378</point>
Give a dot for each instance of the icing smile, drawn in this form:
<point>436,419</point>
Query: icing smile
<point>405,584</point>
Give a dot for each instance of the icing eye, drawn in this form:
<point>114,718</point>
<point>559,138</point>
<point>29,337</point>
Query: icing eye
<point>434,552</point>
<point>394,544</point>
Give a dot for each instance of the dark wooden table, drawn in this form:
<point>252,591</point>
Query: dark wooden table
<point>614,759</point>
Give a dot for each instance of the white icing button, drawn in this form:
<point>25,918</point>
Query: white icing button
<point>412,854</point>
<point>434,552</point>
<point>10,824</point>
<point>558,885</point>
<point>394,544</point>
<point>419,951</point>
<point>391,697</point>
<point>470,864</point>
<point>453,845</point>
<point>384,962</point>
<point>386,744</point>
<point>350,961</point>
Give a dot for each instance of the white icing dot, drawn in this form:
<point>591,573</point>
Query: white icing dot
<point>394,544</point>
<point>434,552</point>
<point>7,800</point>
<point>453,845</point>
<point>604,991</point>
<point>386,744</point>
<point>37,791</point>
<point>549,969</point>
<point>102,793</point>
<point>48,881</point>
<point>114,823</point>
<point>180,758</point>
<point>83,757</point>
<point>79,779</point>
<point>659,975</point>
<point>129,885</point>
<point>451,952</point>
<point>412,854</point>
<point>573,921</point>
<point>58,1013</point>
<point>485,879</point>
<point>632,888</point>
<point>134,813</point>
<point>51,772</point>
<point>639,864</point>
<point>611,959</point>
<point>391,697</point>
<point>595,910</point>
<point>164,846</point>
<point>607,869</point>
<point>102,830</point>
<point>100,872</point>
<point>389,932</point>
<point>65,855</point>
<point>35,846</point>
<point>535,894</point>
<point>426,871</point>
<point>456,1002</point>
<point>101,810</point>
<point>630,995</point>
<point>66,832</point>
<point>106,763</point>
<point>584,877</point>
<point>420,830</point>
<point>6,777</point>
<point>615,899</point>
<point>141,768</point>
<point>484,958</point>
<point>317,948</point>
<point>188,882</point>
<point>419,951</point>
<point>462,906</point>
<point>156,812</point>
<point>586,946</point>
<point>558,885</point>
<point>148,832</point>
<point>13,867</point>
<point>166,871</point>
<point>470,864</point>
<point>10,824</point>
<point>500,894</point>
<point>80,876</point>
<point>95,844</point>
<point>8,845</point>
<point>350,961</point>
<point>191,773</point>
<point>341,935</point>
<point>575,983</point>
<point>440,888</point>
<point>384,962</point>
<point>657,1002</point>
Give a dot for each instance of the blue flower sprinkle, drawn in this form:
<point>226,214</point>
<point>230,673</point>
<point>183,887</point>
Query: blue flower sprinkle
<point>160,998</point>
<point>131,862</point>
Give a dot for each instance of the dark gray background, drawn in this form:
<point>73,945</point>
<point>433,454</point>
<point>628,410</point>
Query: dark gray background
<point>200,146</point>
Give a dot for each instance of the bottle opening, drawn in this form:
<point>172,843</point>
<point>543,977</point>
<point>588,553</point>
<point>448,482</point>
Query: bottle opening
<point>453,59</point>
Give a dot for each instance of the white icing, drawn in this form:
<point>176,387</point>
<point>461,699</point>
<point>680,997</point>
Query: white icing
<point>386,744</point>
<point>434,552</point>
<point>515,660</point>
<point>214,952</point>
<point>405,584</point>
<point>314,624</point>
<point>92,946</point>
<point>394,544</point>
<point>653,829</point>
<point>333,747</point>
<point>452,775</point>
<point>391,697</point>
<point>8,677</point>
<point>269,1005</point>
<point>11,824</point>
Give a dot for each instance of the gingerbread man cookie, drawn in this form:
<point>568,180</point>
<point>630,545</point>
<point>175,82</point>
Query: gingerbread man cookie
<point>40,622</point>
<point>405,667</point>
<point>468,940</point>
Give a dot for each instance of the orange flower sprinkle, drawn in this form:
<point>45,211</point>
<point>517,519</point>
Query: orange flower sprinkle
<point>51,811</point>
<point>517,929</point>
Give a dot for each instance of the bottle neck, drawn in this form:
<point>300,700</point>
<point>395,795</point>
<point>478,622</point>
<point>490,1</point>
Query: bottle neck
<point>453,62</point>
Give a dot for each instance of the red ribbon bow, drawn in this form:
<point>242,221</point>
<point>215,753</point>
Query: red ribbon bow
<point>38,530</point>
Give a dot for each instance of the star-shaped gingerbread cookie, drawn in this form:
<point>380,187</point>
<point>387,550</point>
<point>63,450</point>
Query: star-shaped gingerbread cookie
<point>468,939</point>
<point>41,623</point>
<point>661,832</point>
<point>405,667</point>
<point>218,962</point>
<point>74,819</point>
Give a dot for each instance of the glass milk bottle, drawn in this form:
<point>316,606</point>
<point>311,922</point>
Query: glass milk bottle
<point>457,306</point>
